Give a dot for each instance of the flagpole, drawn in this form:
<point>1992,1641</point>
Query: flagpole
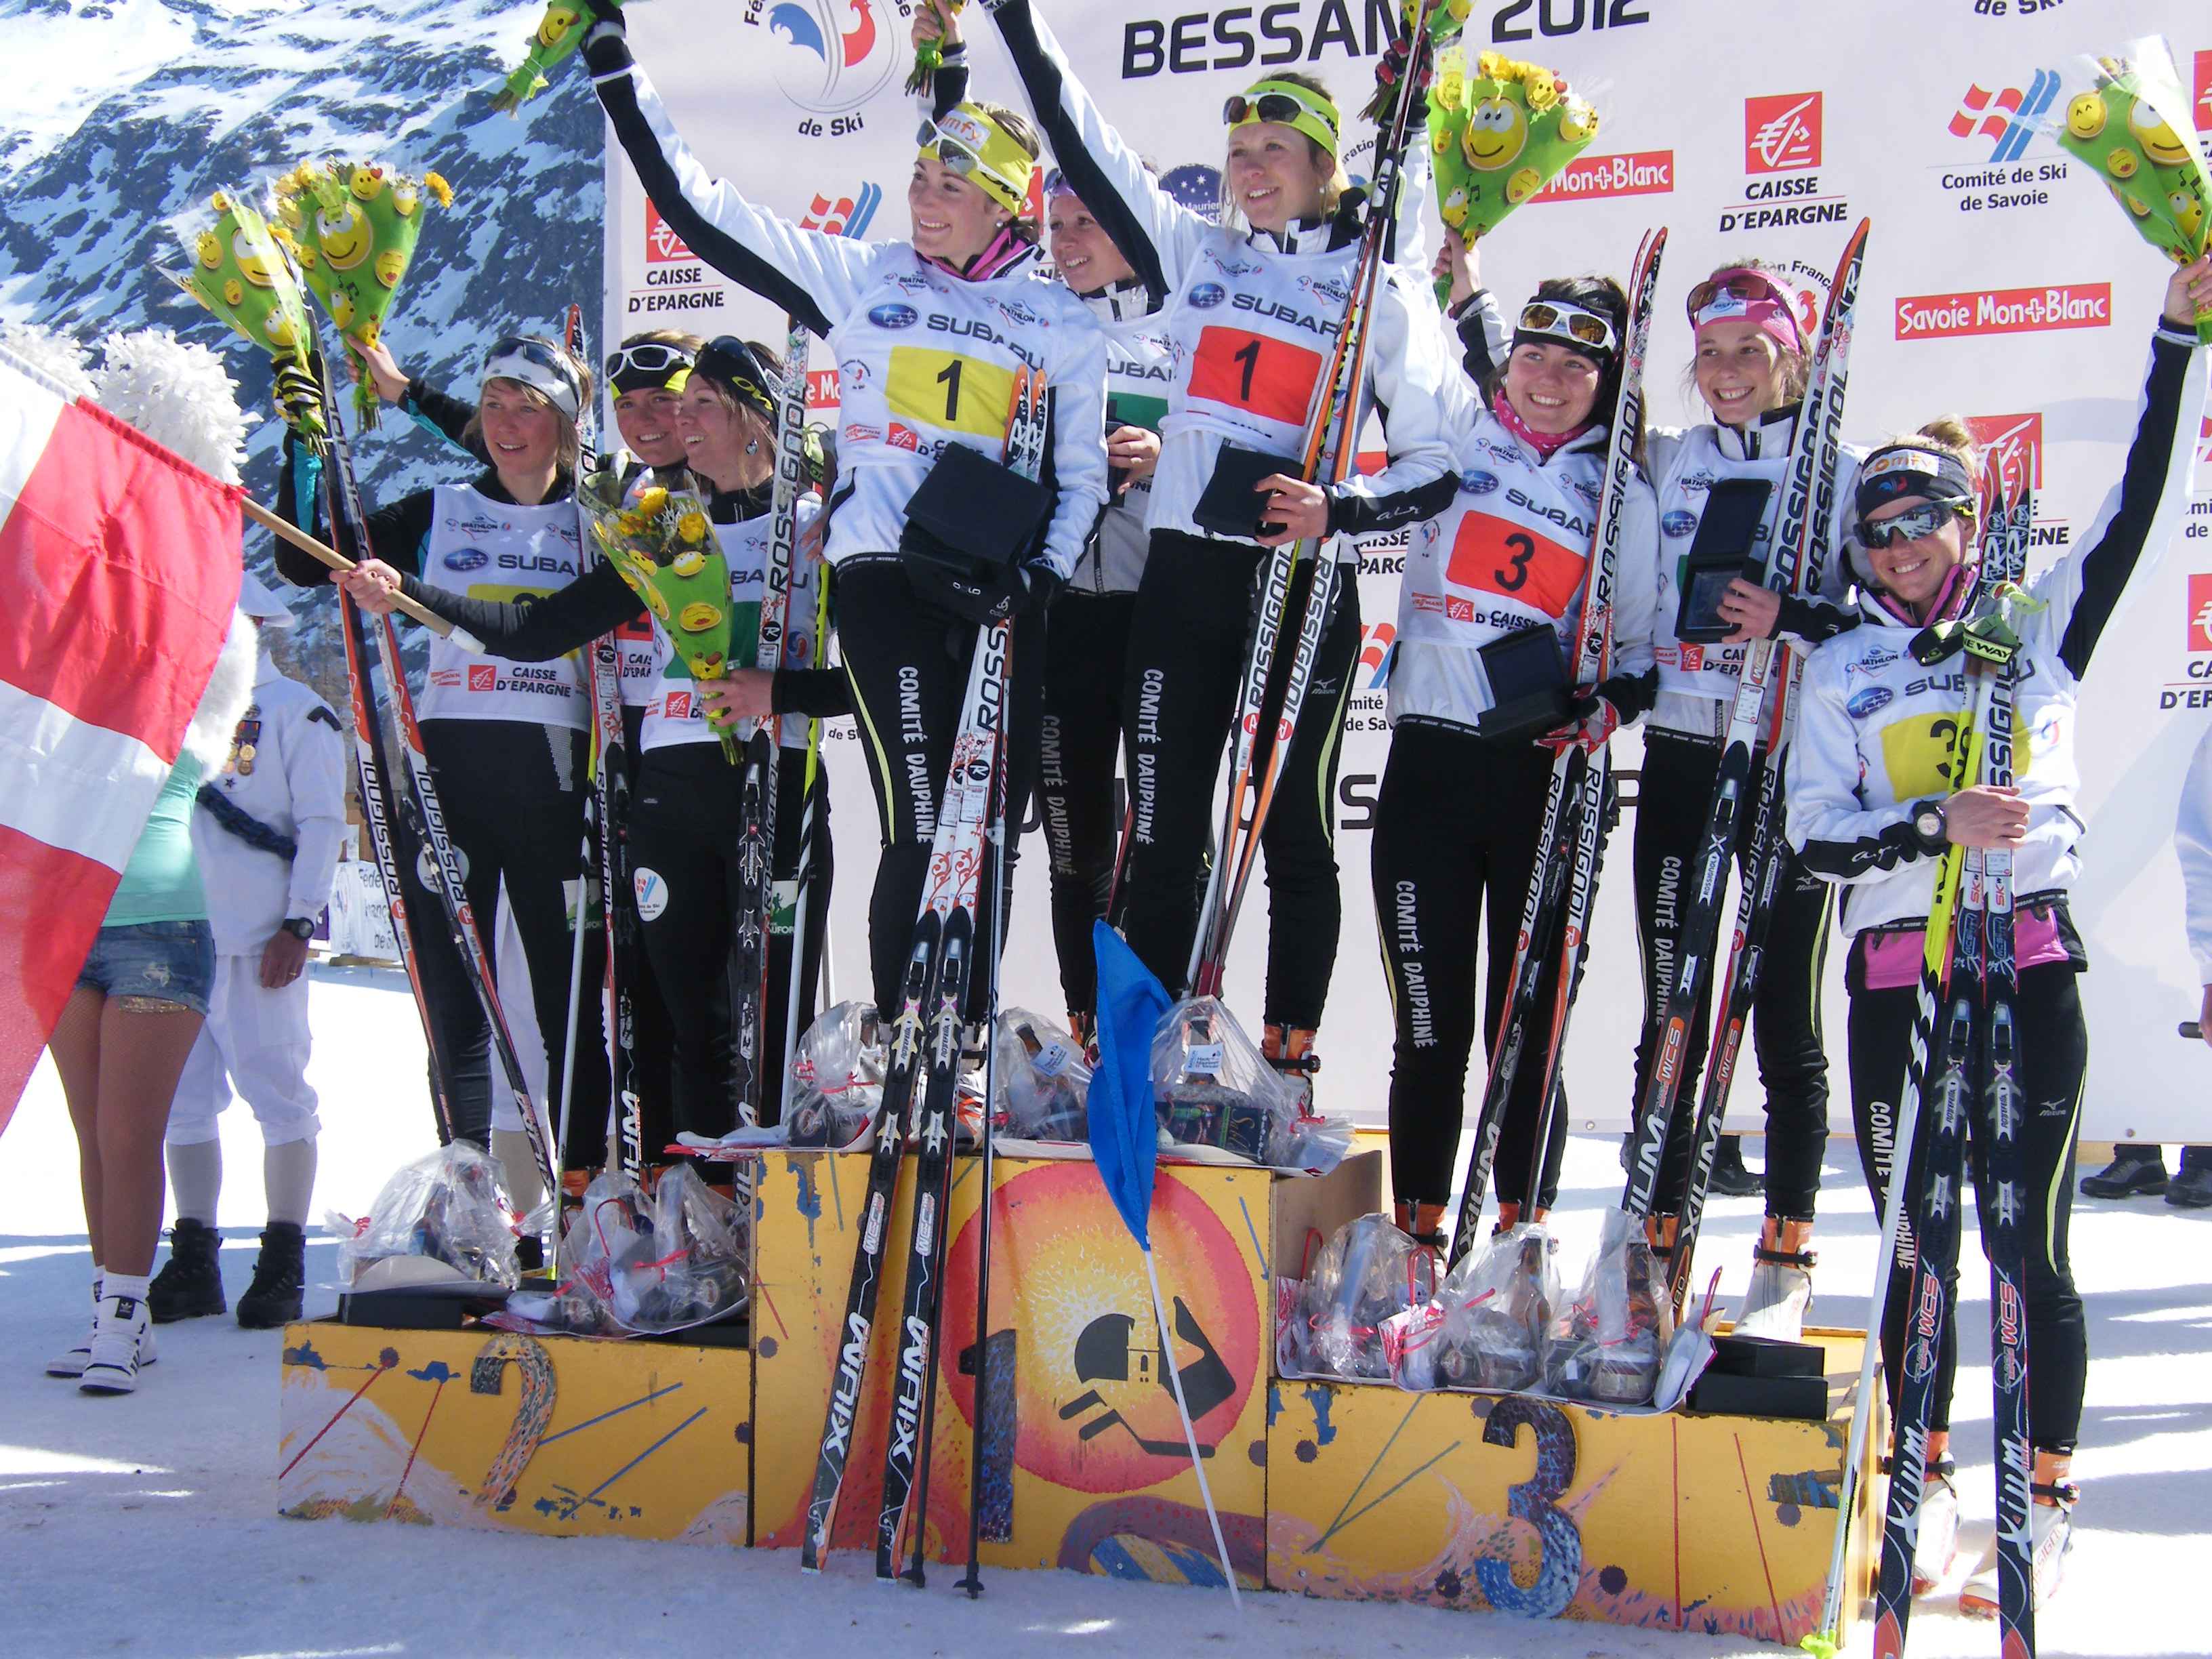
<point>1189,1433</point>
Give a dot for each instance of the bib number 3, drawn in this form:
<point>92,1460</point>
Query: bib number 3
<point>1510,560</point>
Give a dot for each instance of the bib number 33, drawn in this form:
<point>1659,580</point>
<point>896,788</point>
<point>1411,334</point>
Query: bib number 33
<point>950,392</point>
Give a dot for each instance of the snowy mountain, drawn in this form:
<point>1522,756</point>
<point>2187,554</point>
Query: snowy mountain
<point>123,115</point>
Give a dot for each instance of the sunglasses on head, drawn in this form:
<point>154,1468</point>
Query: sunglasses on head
<point>1914,524</point>
<point>530,348</point>
<point>651,358</point>
<point>1584,330</point>
<point>733,362</point>
<point>1741,285</point>
<point>1277,106</point>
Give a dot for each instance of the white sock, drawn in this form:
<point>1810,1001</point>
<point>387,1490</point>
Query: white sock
<point>127,1285</point>
<point>287,1176</point>
<point>196,1179</point>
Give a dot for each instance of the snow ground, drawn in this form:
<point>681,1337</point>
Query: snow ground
<point>171,1492</point>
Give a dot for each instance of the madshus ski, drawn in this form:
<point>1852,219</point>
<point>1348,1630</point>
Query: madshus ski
<point>1809,508</point>
<point>425,816</point>
<point>1794,566</point>
<point>1574,800</point>
<point>757,815</point>
<point>924,1046</point>
<point>1333,422</point>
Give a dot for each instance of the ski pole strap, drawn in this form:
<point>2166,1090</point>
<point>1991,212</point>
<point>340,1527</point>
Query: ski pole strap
<point>234,819</point>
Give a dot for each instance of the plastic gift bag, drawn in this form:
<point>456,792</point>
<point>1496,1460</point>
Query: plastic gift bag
<point>1210,1085</point>
<point>448,1206</point>
<point>1607,1346</point>
<point>837,1076</point>
<point>1497,1306</point>
<point>1043,1079</point>
<point>1315,1144</point>
<point>689,1265</point>
<point>1367,1272</point>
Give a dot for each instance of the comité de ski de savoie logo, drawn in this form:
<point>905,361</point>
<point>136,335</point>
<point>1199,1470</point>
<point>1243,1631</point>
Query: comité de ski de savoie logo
<point>830,57</point>
<point>2008,116</point>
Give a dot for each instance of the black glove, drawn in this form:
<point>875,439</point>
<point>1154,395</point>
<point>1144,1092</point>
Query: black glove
<point>299,392</point>
<point>998,596</point>
<point>605,50</point>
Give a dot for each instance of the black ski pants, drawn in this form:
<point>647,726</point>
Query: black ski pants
<point>2055,1058</point>
<point>1086,657</point>
<point>907,657</point>
<point>1674,796</point>
<point>513,795</point>
<point>652,1040</point>
<point>1456,824</point>
<point>1195,609</point>
<point>685,830</point>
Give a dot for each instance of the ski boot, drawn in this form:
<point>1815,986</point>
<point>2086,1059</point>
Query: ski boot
<point>1781,1282</point>
<point>1290,1051</point>
<point>1729,1178</point>
<point>1425,1225</point>
<point>190,1283</point>
<point>2050,1532</point>
<point>277,1295</point>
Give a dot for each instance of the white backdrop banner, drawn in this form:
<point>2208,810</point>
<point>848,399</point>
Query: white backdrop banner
<point>2000,283</point>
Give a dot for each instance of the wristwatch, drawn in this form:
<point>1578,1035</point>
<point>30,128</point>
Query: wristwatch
<point>1928,823</point>
<point>299,927</point>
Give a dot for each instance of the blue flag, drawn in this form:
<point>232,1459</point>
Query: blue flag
<point>1124,1129</point>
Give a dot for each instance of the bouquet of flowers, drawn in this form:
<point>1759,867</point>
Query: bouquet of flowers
<point>1446,19</point>
<point>352,226</point>
<point>1499,136</point>
<point>928,58</point>
<point>237,271</point>
<point>662,545</point>
<point>2134,130</point>
<point>559,31</point>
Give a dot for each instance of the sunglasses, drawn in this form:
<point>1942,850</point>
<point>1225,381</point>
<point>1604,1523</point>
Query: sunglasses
<point>1740,285</point>
<point>651,358</point>
<point>1583,329</point>
<point>957,159</point>
<point>1914,524</point>
<point>531,349</point>
<point>1277,106</point>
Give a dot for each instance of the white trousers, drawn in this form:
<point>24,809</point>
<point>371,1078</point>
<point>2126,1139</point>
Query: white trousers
<point>257,1041</point>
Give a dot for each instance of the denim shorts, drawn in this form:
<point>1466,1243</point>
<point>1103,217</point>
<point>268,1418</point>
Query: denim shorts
<point>143,962</point>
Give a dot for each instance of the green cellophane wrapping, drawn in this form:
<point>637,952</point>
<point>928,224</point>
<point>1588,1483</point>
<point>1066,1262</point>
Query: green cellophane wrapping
<point>352,227</point>
<point>2133,129</point>
<point>237,271</point>
<point>1499,136</point>
<point>662,545</point>
<point>561,29</point>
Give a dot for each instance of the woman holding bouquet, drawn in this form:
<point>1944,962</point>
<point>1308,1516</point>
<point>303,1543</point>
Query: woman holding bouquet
<point>685,823</point>
<point>508,742</point>
<point>928,335</point>
<point>1254,308</point>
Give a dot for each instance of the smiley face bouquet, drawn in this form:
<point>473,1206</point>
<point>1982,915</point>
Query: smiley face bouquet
<point>561,29</point>
<point>239,272</point>
<point>352,227</point>
<point>2134,130</point>
<point>660,543</point>
<point>1500,135</point>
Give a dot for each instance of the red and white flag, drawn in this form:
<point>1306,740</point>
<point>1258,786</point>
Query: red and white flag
<point>119,565</point>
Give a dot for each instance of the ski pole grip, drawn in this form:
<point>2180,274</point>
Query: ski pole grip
<point>338,561</point>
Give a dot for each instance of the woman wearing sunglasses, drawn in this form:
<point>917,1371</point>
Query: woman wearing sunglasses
<point>1721,485</point>
<point>685,817</point>
<point>508,742</point>
<point>1488,618</point>
<point>1873,802</point>
<point>1255,304</point>
<point>929,334</point>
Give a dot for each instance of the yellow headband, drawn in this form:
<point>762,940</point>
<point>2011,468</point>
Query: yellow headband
<point>1311,113</point>
<point>970,143</point>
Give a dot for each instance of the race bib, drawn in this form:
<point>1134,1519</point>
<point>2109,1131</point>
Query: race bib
<point>1263,376</point>
<point>1505,558</point>
<point>1920,753</point>
<point>951,392</point>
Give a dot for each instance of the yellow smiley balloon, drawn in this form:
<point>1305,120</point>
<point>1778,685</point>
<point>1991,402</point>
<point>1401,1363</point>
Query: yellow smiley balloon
<point>2121,162</point>
<point>1497,132</point>
<point>344,235</point>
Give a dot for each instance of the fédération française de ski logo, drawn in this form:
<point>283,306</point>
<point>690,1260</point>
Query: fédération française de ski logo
<point>1781,132</point>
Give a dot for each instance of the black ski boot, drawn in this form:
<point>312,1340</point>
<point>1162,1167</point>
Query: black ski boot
<point>1729,1178</point>
<point>279,1275</point>
<point>190,1283</point>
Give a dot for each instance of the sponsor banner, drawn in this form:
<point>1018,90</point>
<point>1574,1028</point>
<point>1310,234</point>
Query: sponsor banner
<point>1999,281</point>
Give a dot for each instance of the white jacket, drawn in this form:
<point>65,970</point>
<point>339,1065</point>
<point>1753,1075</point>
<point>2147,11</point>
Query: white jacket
<point>1874,727</point>
<point>924,359</point>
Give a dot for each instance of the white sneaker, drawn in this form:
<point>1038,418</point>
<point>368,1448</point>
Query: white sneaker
<point>72,1362</point>
<point>1939,1528</point>
<point>122,1343</point>
<point>2050,1529</point>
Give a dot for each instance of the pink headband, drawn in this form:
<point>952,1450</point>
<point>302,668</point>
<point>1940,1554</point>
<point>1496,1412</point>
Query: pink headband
<point>1770,312</point>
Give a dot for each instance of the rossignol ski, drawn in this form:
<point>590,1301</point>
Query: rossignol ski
<point>943,931</point>
<point>1334,418</point>
<point>757,826</point>
<point>1754,908</point>
<point>958,861</point>
<point>1574,801</point>
<point>1794,567</point>
<point>427,820</point>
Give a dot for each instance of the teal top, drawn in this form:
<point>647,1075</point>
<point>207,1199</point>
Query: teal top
<point>161,883</point>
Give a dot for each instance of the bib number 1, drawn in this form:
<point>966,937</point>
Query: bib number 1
<point>949,391</point>
<point>1260,375</point>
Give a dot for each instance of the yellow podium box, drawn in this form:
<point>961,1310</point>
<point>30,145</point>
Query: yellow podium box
<point>1712,1525</point>
<point>1085,1466</point>
<point>485,1429</point>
